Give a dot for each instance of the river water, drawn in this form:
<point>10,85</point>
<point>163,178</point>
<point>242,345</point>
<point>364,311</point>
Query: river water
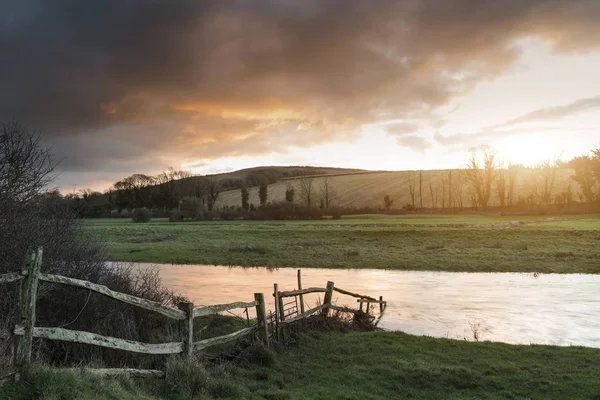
<point>505,307</point>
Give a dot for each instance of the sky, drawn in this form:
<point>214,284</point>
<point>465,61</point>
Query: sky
<point>119,87</point>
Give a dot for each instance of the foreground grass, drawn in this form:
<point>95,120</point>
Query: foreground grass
<point>374,365</point>
<point>469,243</point>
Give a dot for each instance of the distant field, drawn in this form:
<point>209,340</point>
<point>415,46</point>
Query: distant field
<point>367,189</point>
<point>408,242</point>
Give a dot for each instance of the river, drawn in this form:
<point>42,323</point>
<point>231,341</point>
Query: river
<point>504,307</point>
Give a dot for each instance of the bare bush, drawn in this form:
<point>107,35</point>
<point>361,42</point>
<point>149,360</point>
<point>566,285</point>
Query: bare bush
<point>141,215</point>
<point>29,218</point>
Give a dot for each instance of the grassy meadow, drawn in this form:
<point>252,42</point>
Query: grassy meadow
<point>372,365</point>
<point>469,242</point>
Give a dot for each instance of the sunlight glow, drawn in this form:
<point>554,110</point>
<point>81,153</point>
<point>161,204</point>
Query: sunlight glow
<point>530,150</point>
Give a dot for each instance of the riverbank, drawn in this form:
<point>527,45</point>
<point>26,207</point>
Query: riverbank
<point>465,243</point>
<point>371,365</point>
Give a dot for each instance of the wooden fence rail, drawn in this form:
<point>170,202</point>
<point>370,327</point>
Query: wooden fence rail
<point>150,305</point>
<point>25,330</point>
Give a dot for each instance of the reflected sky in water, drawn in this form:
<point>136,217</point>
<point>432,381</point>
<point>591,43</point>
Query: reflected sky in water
<point>506,307</point>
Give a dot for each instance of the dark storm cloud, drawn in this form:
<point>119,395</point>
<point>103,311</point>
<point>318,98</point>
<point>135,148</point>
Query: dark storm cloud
<point>112,82</point>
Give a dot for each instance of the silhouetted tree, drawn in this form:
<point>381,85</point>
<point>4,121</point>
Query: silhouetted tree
<point>387,202</point>
<point>327,192</point>
<point>245,198</point>
<point>263,193</point>
<point>411,188</point>
<point>587,174</point>
<point>305,185</point>
<point>214,189</point>
<point>481,178</point>
<point>290,194</point>
<point>25,167</point>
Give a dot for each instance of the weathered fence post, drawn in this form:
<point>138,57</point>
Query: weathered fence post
<point>300,288</point>
<point>327,298</point>
<point>187,328</point>
<point>380,304</point>
<point>261,318</point>
<point>27,299</point>
<point>278,312</point>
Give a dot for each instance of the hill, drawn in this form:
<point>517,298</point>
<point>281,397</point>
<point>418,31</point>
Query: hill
<point>368,188</point>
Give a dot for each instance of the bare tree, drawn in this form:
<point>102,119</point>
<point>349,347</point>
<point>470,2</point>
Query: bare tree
<point>511,184</point>
<point>411,189</point>
<point>481,178</point>
<point>434,196</point>
<point>25,167</point>
<point>327,191</point>
<point>501,176</point>
<point>421,188</point>
<point>305,187</point>
<point>387,202</point>
<point>450,198</point>
<point>214,189</point>
<point>548,171</point>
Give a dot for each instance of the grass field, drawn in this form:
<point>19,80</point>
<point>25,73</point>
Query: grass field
<point>569,244</point>
<point>375,365</point>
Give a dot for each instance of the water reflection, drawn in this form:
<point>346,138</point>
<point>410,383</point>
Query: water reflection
<point>507,307</point>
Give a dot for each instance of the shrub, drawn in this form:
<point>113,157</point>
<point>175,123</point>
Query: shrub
<point>141,215</point>
<point>190,207</point>
<point>175,215</point>
<point>125,213</point>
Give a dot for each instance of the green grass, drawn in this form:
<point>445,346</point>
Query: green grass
<point>374,365</point>
<point>471,243</point>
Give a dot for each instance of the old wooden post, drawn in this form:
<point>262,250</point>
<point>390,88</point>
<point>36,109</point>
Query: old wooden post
<point>27,300</point>
<point>278,312</point>
<point>380,304</point>
<point>187,328</point>
<point>300,288</point>
<point>327,298</point>
<point>261,318</point>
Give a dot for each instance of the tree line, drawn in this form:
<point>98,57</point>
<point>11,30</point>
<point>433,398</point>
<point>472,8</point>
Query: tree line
<point>486,182</point>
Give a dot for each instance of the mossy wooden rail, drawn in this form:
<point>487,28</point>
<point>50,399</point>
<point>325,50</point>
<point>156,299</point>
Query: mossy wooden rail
<point>25,330</point>
<point>324,308</point>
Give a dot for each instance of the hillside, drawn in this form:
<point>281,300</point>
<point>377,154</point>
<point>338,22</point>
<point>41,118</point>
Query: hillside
<point>367,188</point>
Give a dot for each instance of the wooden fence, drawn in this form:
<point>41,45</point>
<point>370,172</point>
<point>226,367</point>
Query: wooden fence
<point>25,330</point>
<point>283,317</point>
